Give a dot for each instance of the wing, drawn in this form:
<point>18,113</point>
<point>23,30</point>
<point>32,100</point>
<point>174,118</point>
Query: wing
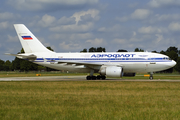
<point>93,65</point>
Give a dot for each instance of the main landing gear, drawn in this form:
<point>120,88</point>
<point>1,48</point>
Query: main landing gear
<point>96,77</point>
<point>92,77</point>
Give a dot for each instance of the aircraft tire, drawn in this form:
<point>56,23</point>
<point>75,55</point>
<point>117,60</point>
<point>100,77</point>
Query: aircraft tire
<point>98,77</point>
<point>88,78</point>
<point>151,77</point>
<point>93,77</point>
<point>103,77</point>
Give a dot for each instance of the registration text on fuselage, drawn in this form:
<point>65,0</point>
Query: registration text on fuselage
<point>112,55</point>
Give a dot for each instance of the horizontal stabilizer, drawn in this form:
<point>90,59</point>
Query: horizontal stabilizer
<point>31,57</point>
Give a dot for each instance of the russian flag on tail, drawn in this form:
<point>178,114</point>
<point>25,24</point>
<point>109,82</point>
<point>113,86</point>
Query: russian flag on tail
<point>27,37</point>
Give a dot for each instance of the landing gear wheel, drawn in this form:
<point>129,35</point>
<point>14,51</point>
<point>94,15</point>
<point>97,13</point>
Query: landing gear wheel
<point>91,78</point>
<point>98,77</point>
<point>103,77</point>
<point>88,78</point>
<point>151,77</point>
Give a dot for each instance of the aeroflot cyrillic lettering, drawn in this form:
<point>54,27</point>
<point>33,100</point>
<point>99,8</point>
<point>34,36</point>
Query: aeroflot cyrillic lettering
<point>112,55</point>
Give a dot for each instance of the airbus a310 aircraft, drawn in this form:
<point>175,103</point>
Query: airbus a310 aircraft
<point>112,64</point>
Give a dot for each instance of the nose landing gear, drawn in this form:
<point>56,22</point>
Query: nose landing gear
<point>151,76</point>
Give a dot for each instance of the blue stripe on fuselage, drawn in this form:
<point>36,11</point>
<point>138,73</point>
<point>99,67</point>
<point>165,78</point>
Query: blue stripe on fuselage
<point>103,59</point>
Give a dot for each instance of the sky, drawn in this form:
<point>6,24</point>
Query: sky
<point>72,25</point>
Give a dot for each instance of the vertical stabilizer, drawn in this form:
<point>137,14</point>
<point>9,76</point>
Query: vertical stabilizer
<point>28,41</point>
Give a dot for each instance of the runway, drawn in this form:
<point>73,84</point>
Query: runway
<point>77,78</point>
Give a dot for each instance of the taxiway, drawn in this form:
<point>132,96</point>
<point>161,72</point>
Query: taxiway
<point>74,78</point>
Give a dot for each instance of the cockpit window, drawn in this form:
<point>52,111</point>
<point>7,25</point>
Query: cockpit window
<point>166,58</point>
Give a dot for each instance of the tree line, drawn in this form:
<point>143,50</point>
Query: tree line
<point>24,65</point>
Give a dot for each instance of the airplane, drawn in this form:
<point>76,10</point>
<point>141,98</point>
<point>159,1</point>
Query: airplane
<point>111,64</point>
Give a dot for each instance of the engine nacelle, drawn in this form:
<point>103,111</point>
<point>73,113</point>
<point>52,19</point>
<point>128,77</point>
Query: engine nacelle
<point>111,71</point>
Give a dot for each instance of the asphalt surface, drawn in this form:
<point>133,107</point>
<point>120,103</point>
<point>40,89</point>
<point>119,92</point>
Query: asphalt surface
<point>74,78</point>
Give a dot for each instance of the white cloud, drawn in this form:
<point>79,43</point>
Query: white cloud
<point>73,28</point>
<point>113,28</point>
<point>12,38</point>
<point>93,12</point>
<point>151,29</point>
<point>4,25</point>
<point>35,5</point>
<point>161,3</point>
<point>80,36</point>
<point>102,29</point>
<point>174,26</point>
<point>133,5</point>
<point>168,17</point>
<point>70,46</point>
<point>164,17</point>
<point>69,2</point>
<point>119,41</point>
<point>147,30</point>
<point>65,20</point>
<point>134,33</point>
<point>159,38</point>
<point>71,24</point>
<point>47,20</point>
<point>7,15</point>
<point>96,42</point>
<point>69,36</point>
<point>140,14</point>
<point>122,19</point>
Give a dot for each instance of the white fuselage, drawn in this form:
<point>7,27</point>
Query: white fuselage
<point>83,62</point>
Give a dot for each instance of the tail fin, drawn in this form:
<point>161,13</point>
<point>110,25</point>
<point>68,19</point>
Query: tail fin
<point>28,41</point>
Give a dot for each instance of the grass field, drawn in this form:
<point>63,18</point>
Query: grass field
<point>90,100</point>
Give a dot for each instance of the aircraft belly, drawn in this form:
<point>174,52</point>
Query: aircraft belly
<point>135,67</point>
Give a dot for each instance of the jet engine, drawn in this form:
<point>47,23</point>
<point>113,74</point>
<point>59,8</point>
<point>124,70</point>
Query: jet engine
<point>111,71</point>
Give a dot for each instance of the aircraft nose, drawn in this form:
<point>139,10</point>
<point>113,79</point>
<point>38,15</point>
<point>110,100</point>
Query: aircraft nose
<point>173,63</point>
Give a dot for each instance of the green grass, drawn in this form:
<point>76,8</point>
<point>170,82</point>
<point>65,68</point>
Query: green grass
<point>90,100</point>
